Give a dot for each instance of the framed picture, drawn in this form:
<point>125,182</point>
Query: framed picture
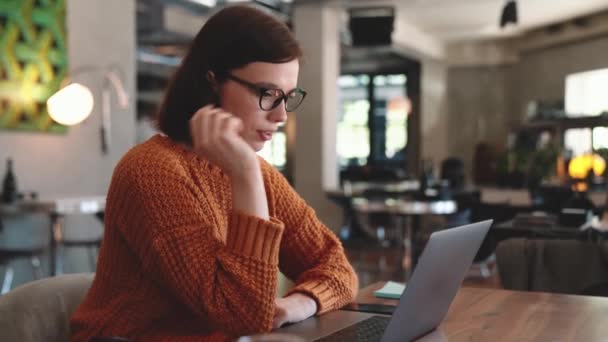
<point>33,62</point>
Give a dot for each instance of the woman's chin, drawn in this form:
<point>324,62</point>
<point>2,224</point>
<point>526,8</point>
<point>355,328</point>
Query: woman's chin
<point>257,146</point>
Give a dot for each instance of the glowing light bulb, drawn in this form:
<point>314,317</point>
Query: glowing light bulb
<point>71,105</point>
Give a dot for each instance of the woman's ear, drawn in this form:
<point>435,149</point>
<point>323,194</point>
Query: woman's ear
<point>215,88</point>
<point>212,81</point>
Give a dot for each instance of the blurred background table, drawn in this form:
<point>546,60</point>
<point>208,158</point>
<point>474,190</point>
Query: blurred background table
<point>56,209</point>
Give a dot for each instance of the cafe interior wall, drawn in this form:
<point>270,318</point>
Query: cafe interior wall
<point>100,32</point>
<point>487,97</point>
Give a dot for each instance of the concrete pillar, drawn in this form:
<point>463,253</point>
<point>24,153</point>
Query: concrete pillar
<point>315,167</point>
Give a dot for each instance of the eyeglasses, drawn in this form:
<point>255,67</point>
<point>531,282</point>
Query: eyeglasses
<point>270,98</point>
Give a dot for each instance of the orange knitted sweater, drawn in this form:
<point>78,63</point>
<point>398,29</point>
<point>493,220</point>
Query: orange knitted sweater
<point>177,263</point>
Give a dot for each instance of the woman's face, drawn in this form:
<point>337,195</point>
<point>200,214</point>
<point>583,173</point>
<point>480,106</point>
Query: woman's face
<point>242,101</point>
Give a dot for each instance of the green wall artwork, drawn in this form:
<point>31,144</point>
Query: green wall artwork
<point>33,62</point>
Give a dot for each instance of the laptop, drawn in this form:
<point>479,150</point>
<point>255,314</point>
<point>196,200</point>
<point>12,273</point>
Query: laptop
<point>441,269</point>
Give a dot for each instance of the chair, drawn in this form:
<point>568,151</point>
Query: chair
<point>549,265</point>
<point>41,310</point>
<point>485,164</point>
<point>452,170</point>
<point>92,244</point>
<point>550,199</point>
<point>10,253</point>
<point>7,255</point>
<point>485,259</point>
<point>597,290</point>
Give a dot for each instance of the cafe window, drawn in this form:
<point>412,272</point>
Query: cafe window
<point>584,140</point>
<point>372,122</point>
<point>578,140</point>
<point>275,150</point>
<point>392,109</point>
<point>353,128</point>
<point>586,93</point>
<point>586,97</point>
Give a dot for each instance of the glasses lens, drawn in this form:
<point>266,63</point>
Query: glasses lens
<point>270,99</point>
<point>294,99</point>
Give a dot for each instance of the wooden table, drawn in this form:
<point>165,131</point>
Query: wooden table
<point>351,189</point>
<point>56,209</point>
<point>407,213</point>
<point>521,197</point>
<point>479,314</point>
<point>404,207</point>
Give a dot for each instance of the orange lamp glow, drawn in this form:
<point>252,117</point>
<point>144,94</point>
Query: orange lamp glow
<point>580,166</point>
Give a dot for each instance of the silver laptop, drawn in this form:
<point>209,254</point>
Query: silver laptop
<point>441,269</point>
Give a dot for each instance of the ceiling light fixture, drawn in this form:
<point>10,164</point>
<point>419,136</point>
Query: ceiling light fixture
<point>208,3</point>
<point>509,13</point>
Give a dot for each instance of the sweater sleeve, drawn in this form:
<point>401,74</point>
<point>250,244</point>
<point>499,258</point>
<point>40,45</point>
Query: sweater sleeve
<point>310,253</point>
<point>173,230</point>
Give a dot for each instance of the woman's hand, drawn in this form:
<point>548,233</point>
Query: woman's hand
<point>215,136</point>
<point>295,308</point>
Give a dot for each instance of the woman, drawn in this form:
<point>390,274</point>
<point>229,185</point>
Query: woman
<point>197,226</point>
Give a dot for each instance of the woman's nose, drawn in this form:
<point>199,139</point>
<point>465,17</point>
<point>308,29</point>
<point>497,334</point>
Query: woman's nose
<point>279,114</point>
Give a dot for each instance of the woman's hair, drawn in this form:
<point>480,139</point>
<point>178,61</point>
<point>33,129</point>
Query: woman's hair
<point>232,38</point>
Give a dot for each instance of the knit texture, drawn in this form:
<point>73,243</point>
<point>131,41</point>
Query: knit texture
<point>177,263</point>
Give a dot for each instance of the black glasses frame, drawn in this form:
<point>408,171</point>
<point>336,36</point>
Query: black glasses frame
<point>262,91</point>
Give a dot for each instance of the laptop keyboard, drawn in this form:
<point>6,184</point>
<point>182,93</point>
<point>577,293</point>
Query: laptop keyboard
<point>370,330</point>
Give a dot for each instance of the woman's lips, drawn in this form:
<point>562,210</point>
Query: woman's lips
<point>265,135</point>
